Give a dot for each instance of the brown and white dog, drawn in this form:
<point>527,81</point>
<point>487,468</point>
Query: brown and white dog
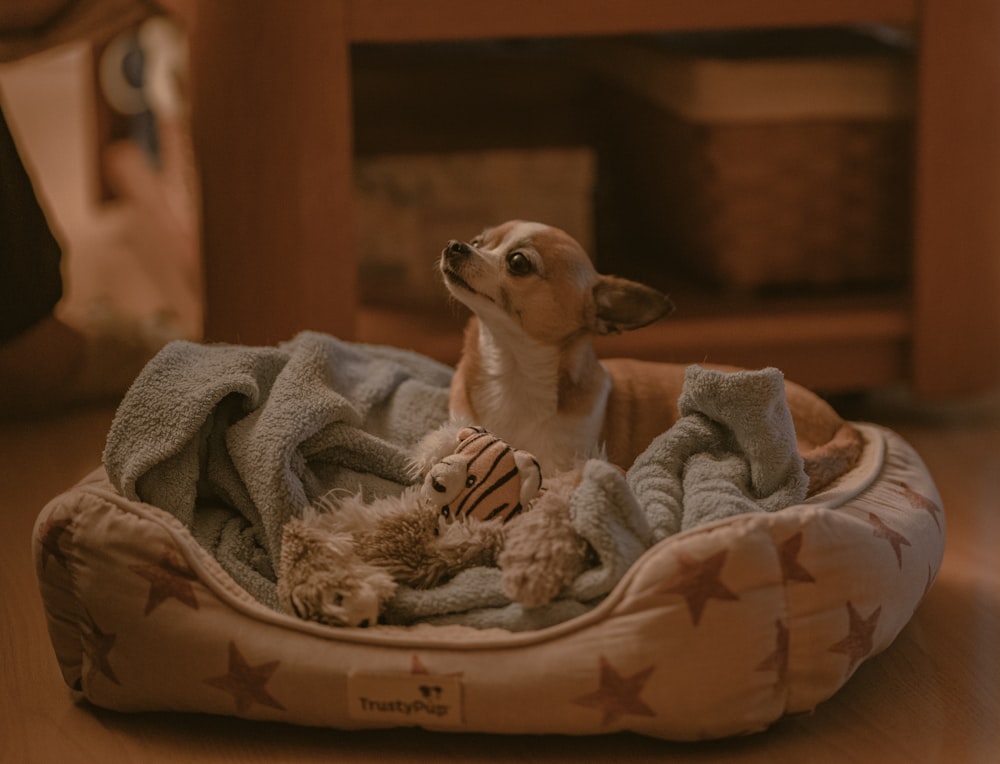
<point>529,372</point>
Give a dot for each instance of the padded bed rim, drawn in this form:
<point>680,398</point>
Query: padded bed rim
<point>814,670</point>
<point>855,482</point>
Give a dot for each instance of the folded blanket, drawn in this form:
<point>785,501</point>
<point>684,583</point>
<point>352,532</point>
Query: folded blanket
<point>236,440</point>
<point>265,431</point>
<point>732,451</point>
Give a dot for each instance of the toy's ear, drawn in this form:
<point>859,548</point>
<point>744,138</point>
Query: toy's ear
<point>467,432</point>
<point>622,305</point>
<point>531,476</point>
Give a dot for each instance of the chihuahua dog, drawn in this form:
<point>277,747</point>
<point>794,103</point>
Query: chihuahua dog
<point>528,371</point>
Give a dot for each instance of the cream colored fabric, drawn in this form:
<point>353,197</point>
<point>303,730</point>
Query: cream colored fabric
<point>716,631</point>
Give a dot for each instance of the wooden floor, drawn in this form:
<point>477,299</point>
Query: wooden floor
<point>933,696</point>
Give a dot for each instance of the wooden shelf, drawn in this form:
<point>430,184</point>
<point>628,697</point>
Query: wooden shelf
<point>832,344</point>
<point>406,21</point>
<point>438,106</point>
<point>279,233</point>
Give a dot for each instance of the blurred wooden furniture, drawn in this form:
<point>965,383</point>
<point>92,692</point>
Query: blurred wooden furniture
<point>273,130</point>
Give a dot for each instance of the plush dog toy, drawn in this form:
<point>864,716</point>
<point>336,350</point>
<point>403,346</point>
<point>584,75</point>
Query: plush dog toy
<point>340,563</point>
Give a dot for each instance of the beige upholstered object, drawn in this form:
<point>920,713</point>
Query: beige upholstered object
<point>716,631</point>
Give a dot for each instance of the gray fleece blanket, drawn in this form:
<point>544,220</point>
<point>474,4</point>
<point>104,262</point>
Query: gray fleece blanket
<point>236,440</point>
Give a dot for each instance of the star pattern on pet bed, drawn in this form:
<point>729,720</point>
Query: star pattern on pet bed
<point>169,577</point>
<point>859,642</point>
<point>698,582</point>
<point>896,540</point>
<point>49,538</point>
<point>788,557</point>
<point>97,645</point>
<point>617,695</point>
<point>778,660</point>
<point>918,501</point>
<point>616,685</point>
<point>245,682</point>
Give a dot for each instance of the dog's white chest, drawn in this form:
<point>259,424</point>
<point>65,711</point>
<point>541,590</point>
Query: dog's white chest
<point>520,403</point>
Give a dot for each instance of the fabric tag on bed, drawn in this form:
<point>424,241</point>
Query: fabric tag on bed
<point>408,699</point>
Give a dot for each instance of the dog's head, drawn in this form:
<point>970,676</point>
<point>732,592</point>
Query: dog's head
<point>538,280</point>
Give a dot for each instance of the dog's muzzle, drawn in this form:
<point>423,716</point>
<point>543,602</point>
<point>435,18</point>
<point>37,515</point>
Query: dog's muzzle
<point>456,253</point>
<point>453,258</point>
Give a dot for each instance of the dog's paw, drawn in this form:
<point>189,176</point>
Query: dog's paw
<point>432,448</point>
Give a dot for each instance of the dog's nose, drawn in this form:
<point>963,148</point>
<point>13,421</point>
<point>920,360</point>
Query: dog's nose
<point>457,250</point>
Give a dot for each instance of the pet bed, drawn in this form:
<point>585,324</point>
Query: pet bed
<point>156,571</point>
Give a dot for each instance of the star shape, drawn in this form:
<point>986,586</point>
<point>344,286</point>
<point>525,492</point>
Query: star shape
<point>698,582</point>
<point>96,646</point>
<point>896,540</point>
<point>788,556</point>
<point>617,695</point>
<point>247,684</point>
<point>778,660</point>
<point>170,577</point>
<point>858,643</point>
<point>50,536</point>
<point>919,501</point>
<point>927,588</point>
<point>417,666</point>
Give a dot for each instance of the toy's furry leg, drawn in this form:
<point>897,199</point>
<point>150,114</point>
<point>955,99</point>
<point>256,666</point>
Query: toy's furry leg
<point>321,577</point>
<point>542,552</point>
<point>421,551</point>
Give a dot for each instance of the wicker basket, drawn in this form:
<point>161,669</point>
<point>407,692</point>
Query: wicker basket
<point>758,172</point>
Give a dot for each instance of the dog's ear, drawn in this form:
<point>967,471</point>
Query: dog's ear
<point>622,305</point>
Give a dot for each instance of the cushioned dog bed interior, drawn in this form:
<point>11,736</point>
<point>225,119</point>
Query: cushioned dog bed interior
<point>157,571</point>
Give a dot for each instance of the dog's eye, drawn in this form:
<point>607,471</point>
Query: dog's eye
<point>477,242</point>
<point>519,264</point>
